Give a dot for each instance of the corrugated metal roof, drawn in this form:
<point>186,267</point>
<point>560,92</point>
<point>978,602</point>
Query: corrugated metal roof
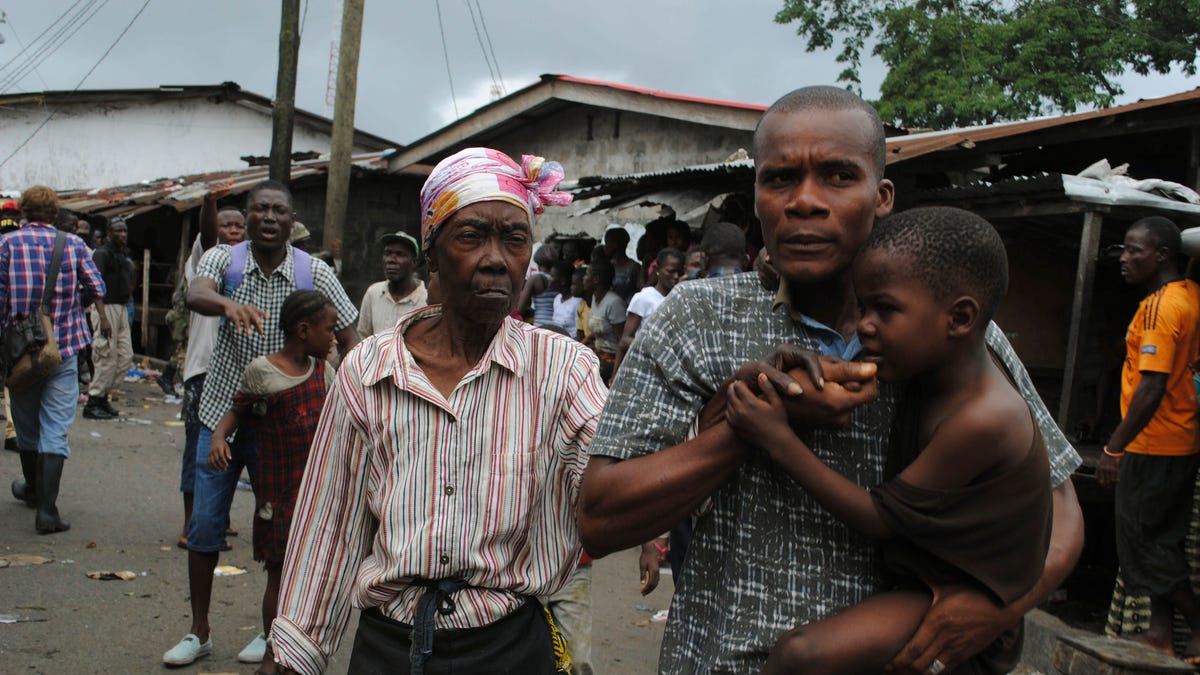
<point>901,148</point>
<point>186,192</point>
<point>229,91</point>
<point>1048,186</point>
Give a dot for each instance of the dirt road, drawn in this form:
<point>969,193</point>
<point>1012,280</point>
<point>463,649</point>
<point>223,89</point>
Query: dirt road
<point>120,491</point>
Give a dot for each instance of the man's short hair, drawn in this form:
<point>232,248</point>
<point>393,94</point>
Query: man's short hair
<point>954,252</point>
<point>1162,231</point>
<point>723,241</point>
<point>66,221</point>
<point>230,207</point>
<point>667,254</point>
<point>268,185</point>
<point>824,97</point>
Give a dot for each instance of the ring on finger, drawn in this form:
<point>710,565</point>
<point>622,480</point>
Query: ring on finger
<point>936,667</point>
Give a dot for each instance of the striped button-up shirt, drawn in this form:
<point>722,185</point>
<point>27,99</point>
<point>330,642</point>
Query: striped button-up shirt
<point>25,260</point>
<point>404,483</point>
<point>234,351</point>
<point>766,557</point>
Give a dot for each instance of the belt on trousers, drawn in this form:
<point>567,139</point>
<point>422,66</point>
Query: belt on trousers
<point>436,600</point>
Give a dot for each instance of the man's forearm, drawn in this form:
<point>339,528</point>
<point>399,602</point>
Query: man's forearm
<point>1066,543</point>
<point>206,301</point>
<point>1142,406</point>
<point>625,503</point>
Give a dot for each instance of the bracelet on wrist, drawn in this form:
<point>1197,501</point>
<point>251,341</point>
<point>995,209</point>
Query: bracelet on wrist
<point>1113,454</point>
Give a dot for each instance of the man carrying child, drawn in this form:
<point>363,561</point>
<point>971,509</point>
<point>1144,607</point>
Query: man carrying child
<point>766,557</point>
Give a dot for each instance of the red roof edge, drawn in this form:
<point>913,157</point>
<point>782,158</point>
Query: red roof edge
<point>655,93</point>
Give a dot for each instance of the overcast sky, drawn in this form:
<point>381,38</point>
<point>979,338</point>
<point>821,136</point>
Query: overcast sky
<point>728,49</point>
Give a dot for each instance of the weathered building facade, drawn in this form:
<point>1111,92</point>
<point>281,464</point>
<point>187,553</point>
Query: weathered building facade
<point>124,136</point>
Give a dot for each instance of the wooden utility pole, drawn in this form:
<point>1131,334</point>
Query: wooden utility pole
<point>338,189</point>
<point>284,113</point>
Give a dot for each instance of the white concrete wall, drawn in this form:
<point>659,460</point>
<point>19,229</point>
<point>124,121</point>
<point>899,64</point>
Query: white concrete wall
<point>90,145</point>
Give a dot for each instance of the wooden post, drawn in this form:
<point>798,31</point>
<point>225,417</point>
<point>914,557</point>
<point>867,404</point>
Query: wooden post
<point>338,187</point>
<point>145,300</point>
<point>1085,277</point>
<point>185,247</point>
<point>284,113</point>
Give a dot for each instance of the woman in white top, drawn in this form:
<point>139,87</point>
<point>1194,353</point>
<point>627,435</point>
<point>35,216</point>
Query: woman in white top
<point>669,265</point>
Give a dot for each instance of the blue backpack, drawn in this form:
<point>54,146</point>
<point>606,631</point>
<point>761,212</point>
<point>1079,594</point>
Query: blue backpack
<point>239,253</point>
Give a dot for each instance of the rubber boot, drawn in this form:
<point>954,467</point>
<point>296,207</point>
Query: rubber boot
<point>49,469</point>
<point>26,489</point>
<point>96,408</point>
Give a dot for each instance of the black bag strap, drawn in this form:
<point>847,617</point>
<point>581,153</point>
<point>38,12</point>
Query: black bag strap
<point>60,245</point>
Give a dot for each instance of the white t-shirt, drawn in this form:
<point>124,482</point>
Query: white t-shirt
<point>566,314</point>
<point>202,330</point>
<point>645,301</point>
<point>609,312</point>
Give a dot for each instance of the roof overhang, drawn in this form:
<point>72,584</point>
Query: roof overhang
<point>555,92</point>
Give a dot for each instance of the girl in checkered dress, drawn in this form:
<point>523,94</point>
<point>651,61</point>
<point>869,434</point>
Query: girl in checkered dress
<point>280,399</point>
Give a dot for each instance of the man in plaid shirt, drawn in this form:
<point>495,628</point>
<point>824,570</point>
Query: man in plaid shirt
<point>765,556</point>
<point>43,413</point>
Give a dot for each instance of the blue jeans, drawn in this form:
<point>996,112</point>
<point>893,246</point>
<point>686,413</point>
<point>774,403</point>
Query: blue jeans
<point>191,432</point>
<point>214,490</point>
<point>44,412</point>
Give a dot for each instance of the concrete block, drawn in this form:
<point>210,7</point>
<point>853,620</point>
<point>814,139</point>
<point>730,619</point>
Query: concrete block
<point>1099,655</point>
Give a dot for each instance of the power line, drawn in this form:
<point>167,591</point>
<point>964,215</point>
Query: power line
<point>4,19</point>
<point>488,35</point>
<point>81,81</point>
<point>445,53</point>
<point>483,49</point>
<point>53,44</point>
<point>39,35</point>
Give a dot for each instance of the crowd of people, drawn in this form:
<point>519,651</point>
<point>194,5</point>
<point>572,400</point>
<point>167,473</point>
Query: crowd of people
<point>449,455</point>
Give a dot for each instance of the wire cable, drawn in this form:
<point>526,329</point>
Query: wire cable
<point>482,48</point>
<point>52,45</point>
<point>445,53</point>
<point>39,35</point>
<point>486,34</point>
<point>37,50</point>
<point>21,44</point>
<point>81,81</point>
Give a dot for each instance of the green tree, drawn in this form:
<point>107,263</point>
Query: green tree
<point>963,62</point>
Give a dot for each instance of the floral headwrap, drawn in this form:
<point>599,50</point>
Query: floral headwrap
<point>481,174</point>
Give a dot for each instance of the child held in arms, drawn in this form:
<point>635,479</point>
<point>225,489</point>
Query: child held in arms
<point>966,498</point>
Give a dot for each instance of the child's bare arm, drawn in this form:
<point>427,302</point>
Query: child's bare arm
<point>219,454</point>
<point>763,422</point>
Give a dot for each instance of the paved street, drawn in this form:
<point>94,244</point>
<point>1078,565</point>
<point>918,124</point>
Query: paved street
<point>120,492</point>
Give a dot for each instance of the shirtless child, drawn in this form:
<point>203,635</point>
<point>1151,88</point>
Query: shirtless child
<point>967,498</point>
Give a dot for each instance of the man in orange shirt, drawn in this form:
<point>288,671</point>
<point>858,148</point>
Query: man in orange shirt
<point>1152,455</point>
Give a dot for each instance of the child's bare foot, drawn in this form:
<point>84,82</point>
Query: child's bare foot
<point>1156,642</point>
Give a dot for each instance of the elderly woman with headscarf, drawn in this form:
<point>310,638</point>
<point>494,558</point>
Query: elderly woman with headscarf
<point>442,481</point>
